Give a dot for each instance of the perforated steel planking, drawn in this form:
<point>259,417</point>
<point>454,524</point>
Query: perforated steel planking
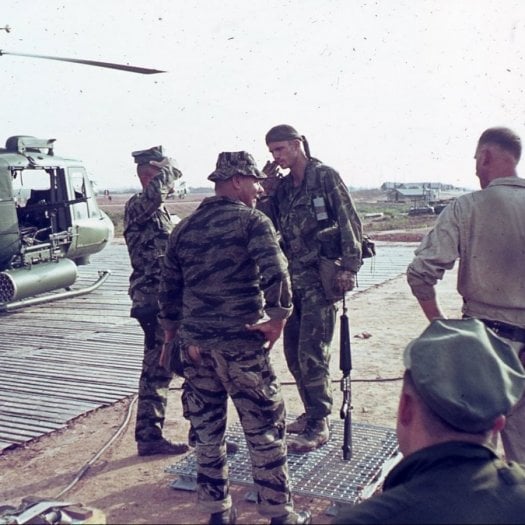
<point>322,473</point>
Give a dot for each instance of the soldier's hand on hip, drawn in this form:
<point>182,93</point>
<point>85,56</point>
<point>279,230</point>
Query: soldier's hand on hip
<point>194,353</point>
<point>271,330</point>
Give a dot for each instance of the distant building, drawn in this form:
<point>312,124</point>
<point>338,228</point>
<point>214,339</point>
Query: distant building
<point>421,193</point>
<point>388,186</point>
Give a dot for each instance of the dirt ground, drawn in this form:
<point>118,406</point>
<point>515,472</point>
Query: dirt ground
<point>91,463</point>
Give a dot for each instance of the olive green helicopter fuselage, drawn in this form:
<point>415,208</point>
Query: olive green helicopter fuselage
<point>49,223</point>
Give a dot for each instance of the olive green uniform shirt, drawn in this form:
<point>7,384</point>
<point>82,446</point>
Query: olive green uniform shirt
<point>484,231</point>
<point>454,482</point>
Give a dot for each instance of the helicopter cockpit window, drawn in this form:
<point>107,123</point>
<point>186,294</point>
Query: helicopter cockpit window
<point>82,190</point>
<point>78,191</point>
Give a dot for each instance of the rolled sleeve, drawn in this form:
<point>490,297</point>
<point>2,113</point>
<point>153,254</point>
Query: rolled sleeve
<point>437,252</point>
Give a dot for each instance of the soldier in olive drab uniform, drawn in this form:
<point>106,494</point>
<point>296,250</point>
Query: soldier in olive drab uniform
<point>315,215</point>
<point>461,380</point>
<point>484,232</point>
<point>223,271</point>
<point>147,225</point>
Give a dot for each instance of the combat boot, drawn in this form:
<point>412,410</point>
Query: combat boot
<point>297,426</point>
<point>296,517</point>
<point>161,447</point>
<point>225,517</point>
<point>315,435</point>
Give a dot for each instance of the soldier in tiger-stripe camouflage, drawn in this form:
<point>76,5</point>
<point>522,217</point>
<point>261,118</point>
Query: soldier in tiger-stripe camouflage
<point>147,225</point>
<point>223,271</point>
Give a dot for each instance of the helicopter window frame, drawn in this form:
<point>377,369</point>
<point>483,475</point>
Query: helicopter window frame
<point>80,188</point>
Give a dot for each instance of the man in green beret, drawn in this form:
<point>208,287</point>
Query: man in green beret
<point>485,231</point>
<point>321,236</point>
<point>461,380</point>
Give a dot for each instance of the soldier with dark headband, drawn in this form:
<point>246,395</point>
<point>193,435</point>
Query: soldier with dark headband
<point>321,236</point>
<point>460,383</point>
<point>226,295</point>
<point>147,225</point>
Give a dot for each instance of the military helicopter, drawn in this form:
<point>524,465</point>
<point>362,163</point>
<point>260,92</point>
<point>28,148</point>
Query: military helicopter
<point>49,223</point>
<point>49,218</point>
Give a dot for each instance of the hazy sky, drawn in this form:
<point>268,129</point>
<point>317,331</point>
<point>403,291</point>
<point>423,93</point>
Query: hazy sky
<point>393,90</point>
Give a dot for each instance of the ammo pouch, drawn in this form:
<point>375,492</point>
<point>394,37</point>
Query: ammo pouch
<point>328,270</point>
<point>368,247</point>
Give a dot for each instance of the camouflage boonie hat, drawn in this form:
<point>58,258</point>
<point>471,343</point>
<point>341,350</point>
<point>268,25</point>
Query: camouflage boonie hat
<point>230,163</point>
<point>465,373</point>
<point>281,133</point>
<point>145,155</point>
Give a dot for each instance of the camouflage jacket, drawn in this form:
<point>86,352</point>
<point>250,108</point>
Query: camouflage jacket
<point>147,225</point>
<point>318,218</point>
<point>223,268</point>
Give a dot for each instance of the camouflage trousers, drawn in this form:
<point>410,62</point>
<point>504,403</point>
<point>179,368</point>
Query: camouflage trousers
<point>307,337</point>
<point>243,371</point>
<point>153,384</point>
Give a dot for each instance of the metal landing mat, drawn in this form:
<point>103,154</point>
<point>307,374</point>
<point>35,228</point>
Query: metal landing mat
<point>322,473</point>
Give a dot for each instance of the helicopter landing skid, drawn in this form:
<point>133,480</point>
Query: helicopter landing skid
<point>102,277</point>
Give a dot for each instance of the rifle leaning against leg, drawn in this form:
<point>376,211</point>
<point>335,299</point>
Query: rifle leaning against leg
<point>345,364</point>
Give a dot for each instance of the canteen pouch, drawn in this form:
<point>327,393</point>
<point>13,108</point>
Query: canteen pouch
<point>328,270</point>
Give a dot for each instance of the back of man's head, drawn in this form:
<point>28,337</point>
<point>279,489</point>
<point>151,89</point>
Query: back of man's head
<point>230,163</point>
<point>503,137</point>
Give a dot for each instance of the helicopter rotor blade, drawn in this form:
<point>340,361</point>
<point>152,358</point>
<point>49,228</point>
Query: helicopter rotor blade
<point>109,65</point>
